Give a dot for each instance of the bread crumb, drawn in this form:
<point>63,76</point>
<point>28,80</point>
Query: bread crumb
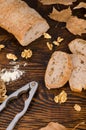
<point>77,107</point>
<point>26,53</point>
<point>47,36</point>
<point>2,46</point>
<point>61,98</point>
<point>50,46</point>
<point>11,56</point>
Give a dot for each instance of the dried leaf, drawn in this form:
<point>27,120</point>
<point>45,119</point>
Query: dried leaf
<point>61,16</point>
<point>50,2</point>
<point>80,5</point>
<point>76,25</point>
<point>54,126</point>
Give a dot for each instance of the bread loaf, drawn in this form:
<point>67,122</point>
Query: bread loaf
<point>58,70</point>
<point>77,79</point>
<point>78,46</point>
<point>22,21</point>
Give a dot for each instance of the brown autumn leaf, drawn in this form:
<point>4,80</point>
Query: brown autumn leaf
<point>80,5</point>
<point>50,2</point>
<point>76,25</point>
<point>61,16</point>
<point>54,126</point>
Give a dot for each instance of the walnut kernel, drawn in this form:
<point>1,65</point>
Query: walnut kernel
<point>47,36</point>
<point>77,107</point>
<point>11,56</point>
<point>61,98</point>
<point>26,53</point>
<point>50,46</point>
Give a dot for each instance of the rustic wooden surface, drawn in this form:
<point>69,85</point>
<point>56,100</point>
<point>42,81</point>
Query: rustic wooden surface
<point>42,109</point>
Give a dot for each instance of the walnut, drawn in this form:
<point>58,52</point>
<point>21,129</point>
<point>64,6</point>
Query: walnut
<point>77,107</point>
<point>59,39</point>
<point>61,98</point>
<point>47,36</point>
<point>26,53</point>
<point>57,42</point>
<point>50,46</point>
<point>11,56</point>
<point>2,46</point>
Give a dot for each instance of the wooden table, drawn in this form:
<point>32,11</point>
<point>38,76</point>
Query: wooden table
<point>43,109</point>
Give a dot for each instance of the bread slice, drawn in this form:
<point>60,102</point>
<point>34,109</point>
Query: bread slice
<point>77,80</point>
<point>78,46</point>
<point>58,70</point>
<point>22,21</point>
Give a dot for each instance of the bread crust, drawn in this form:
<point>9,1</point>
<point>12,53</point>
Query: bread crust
<point>18,18</point>
<point>66,72</point>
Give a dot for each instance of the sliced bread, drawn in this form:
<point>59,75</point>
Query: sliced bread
<point>58,70</point>
<point>77,80</point>
<point>78,46</point>
<point>22,21</point>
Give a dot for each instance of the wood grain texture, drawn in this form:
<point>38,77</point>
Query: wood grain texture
<point>43,109</point>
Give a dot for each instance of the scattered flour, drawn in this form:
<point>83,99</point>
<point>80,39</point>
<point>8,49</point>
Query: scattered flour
<point>11,74</point>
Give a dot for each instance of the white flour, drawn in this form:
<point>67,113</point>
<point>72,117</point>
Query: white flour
<point>11,74</point>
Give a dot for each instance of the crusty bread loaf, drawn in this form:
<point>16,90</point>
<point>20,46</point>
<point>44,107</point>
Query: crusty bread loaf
<point>77,80</point>
<point>22,21</point>
<point>58,70</point>
<point>78,46</point>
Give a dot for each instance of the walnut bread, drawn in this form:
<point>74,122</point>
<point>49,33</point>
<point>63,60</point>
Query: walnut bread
<point>22,21</point>
<point>77,79</point>
<point>78,46</point>
<point>58,70</point>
